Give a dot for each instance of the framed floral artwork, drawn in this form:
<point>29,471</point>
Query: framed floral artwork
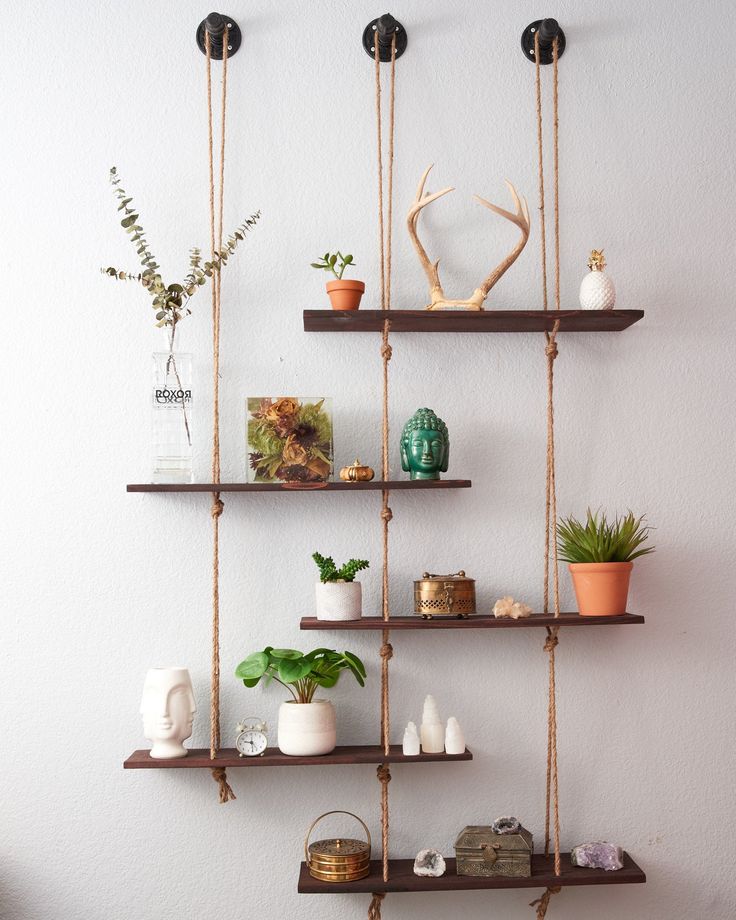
<point>289,439</point>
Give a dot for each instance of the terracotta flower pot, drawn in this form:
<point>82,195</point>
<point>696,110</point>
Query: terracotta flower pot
<point>345,295</point>
<point>602,588</point>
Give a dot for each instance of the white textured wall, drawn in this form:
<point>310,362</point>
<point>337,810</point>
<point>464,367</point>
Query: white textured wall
<point>97,585</point>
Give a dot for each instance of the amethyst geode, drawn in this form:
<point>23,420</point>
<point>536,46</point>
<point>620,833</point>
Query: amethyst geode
<point>599,855</point>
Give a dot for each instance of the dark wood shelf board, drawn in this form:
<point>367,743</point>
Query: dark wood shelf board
<point>467,321</point>
<point>474,622</point>
<point>376,485</point>
<point>199,758</point>
<point>402,878</point>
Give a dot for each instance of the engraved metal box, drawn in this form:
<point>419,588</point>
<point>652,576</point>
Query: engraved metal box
<point>481,852</point>
<point>338,859</point>
<point>444,595</point>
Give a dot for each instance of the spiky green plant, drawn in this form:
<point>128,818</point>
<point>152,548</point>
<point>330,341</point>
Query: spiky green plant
<point>328,571</point>
<point>169,301</point>
<point>598,541</point>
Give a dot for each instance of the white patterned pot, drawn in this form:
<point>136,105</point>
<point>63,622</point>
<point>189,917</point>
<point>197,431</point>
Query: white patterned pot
<point>307,729</point>
<point>339,600</point>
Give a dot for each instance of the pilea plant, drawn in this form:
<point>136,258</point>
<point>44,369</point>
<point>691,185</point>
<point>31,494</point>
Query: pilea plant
<point>335,263</point>
<point>169,301</point>
<point>301,673</point>
<point>328,571</point>
<point>598,541</point>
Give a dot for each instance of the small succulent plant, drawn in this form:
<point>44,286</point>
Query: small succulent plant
<point>334,262</point>
<point>328,571</point>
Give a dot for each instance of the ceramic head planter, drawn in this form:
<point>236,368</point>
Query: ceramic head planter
<point>425,446</point>
<point>168,709</point>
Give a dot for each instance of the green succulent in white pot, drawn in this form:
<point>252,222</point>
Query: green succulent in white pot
<point>338,595</point>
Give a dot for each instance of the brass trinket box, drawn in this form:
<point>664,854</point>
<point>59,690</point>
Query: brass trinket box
<point>338,859</point>
<point>444,595</point>
<point>481,852</point>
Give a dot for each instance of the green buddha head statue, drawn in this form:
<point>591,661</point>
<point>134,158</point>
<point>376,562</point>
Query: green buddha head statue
<point>425,446</point>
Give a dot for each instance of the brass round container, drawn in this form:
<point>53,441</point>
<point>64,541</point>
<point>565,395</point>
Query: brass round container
<point>444,595</point>
<point>338,859</point>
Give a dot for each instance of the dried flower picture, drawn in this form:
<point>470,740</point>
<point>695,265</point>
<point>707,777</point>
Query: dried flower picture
<point>289,439</point>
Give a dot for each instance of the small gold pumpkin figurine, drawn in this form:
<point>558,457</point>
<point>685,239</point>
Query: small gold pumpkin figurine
<point>356,472</point>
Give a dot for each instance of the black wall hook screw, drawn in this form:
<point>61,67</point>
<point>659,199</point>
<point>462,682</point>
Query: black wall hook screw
<point>384,28</point>
<point>548,29</point>
<point>215,24</point>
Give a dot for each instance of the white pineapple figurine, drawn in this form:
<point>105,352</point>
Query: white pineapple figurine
<point>597,291</point>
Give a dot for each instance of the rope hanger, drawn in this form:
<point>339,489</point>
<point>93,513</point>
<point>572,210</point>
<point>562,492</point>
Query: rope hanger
<point>552,809</point>
<point>552,820</point>
<point>385,243</point>
<point>218,773</point>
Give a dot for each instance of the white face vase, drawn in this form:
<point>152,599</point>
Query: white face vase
<point>168,709</point>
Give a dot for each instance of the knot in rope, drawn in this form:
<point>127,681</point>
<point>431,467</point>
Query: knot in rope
<point>543,903</point>
<point>551,643</point>
<point>384,774</point>
<point>387,514</point>
<point>374,911</point>
<point>386,351</point>
<point>387,651</point>
<point>551,349</point>
<point>219,775</point>
<point>217,508</point>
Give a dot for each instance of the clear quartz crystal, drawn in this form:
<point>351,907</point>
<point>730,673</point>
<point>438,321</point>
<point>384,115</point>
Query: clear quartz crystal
<point>172,417</point>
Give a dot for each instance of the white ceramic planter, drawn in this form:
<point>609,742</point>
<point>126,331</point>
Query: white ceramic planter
<point>339,600</point>
<point>168,709</point>
<point>307,729</point>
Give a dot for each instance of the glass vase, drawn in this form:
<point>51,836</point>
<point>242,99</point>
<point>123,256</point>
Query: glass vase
<point>172,417</point>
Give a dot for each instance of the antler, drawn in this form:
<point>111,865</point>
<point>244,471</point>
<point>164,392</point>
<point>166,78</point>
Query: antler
<point>475,302</point>
<point>521,219</point>
<point>431,268</point>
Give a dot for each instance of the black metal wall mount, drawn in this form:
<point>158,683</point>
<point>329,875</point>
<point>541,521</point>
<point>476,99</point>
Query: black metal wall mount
<point>383,29</point>
<point>215,24</point>
<point>548,29</point>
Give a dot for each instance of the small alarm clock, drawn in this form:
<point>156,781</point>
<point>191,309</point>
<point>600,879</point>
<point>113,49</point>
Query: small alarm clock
<point>251,740</point>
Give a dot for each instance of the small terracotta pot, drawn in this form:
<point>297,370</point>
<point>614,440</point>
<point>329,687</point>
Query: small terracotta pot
<point>345,295</point>
<point>602,588</point>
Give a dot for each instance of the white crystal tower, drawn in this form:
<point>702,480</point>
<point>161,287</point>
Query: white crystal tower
<point>454,737</point>
<point>432,731</point>
<point>410,746</point>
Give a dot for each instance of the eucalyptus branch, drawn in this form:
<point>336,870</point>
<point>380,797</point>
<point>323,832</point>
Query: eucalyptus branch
<point>169,301</point>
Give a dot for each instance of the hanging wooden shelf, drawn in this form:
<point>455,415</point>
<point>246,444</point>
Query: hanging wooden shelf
<point>199,758</point>
<point>470,321</point>
<point>376,485</point>
<point>402,878</point>
<point>473,622</point>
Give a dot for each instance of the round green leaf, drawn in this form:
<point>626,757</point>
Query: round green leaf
<point>291,671</point>
<point>253,667</point>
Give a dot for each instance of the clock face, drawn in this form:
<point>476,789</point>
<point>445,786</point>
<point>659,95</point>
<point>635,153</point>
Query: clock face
<point>251,743</point>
